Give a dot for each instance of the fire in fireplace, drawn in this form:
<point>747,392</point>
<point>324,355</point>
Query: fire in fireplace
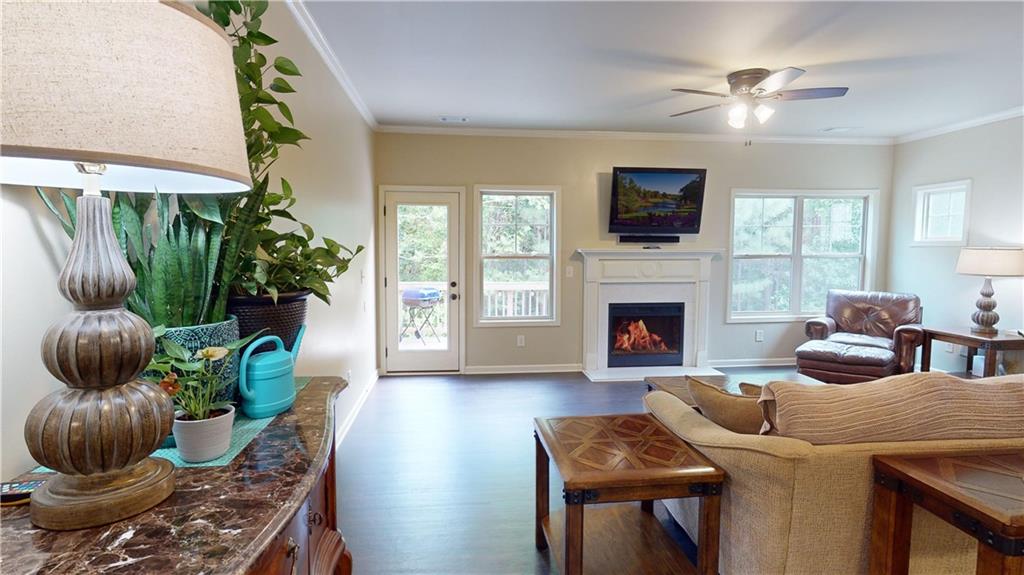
<point>645,334</point>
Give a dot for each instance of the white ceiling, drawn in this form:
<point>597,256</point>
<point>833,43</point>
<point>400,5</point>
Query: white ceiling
<point>910,66</point>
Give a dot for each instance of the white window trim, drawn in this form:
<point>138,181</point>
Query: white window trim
<point>919,213</point>
<point>871,241</point>
<point>556,243</point>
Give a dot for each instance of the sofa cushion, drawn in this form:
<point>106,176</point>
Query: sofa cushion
<point>861,339</point>
<point>823,350</point>
<point>907,407</point>
<point>737,413</point>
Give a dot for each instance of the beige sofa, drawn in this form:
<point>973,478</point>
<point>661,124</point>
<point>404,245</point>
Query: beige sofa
<point>793,508</point>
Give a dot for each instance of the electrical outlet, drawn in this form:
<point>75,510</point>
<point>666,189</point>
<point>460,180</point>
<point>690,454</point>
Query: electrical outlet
<point>950,348</point>
<point>569,271</point>
<point>758,335</point>
<point>520,341</point>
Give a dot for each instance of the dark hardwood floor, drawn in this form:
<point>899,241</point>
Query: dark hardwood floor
<point>436,475</point>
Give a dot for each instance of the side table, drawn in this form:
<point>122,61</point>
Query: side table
<point>981,494</point>
<point>619,458</point>
<point>1002,341</point>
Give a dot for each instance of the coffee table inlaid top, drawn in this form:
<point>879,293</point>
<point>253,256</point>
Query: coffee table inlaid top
<point>989,487</point>
<point>621,451</point>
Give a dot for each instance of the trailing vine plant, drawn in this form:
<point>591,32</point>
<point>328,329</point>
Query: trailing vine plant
<point>257,259</point>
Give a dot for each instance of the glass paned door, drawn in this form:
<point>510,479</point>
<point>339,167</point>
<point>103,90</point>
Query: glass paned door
<point>422,281</point>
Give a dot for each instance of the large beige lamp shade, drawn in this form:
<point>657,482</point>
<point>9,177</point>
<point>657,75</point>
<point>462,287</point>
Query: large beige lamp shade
<point>146,88</point>
<point>989,262</point>
<point>135,96</point>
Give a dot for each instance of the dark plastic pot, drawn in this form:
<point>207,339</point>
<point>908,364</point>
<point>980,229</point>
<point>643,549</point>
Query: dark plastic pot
<point>282,319</point>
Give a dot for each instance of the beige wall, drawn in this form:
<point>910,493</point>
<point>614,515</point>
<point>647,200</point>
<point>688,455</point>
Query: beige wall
<point>332,175</point>
<point>332,178</point>
<point>33,250</point>
<point>991,156</point>
<point>582,167</point>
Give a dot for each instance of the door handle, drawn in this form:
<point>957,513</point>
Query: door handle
<point>454,296</point>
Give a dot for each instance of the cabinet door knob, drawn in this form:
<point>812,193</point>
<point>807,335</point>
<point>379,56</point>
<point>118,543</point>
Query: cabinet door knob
<point>293,552</point>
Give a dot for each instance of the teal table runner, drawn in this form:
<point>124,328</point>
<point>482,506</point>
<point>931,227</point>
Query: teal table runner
<point>243,431</point>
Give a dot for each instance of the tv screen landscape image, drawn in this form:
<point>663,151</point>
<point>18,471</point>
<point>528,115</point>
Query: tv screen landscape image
<point>656,200</point>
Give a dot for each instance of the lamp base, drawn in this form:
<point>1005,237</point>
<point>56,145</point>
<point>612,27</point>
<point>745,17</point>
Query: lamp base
<point>982,330</point>
<point>68,502</point>
<point>985,318</point>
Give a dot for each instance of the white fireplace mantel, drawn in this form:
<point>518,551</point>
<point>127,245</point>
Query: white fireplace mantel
<point>636,275</point>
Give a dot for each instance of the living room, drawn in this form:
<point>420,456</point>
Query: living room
<point>479,162</point>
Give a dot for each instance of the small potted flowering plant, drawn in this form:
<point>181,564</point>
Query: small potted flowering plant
<point>202,421</point>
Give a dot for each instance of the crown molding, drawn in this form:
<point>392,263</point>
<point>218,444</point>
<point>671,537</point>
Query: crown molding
<point>614,135</point>
<point>316,37</point>
<point>979,121</point>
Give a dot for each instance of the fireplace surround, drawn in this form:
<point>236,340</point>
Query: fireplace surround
<point>645,276</point>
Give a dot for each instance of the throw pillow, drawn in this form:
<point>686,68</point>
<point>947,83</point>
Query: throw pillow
<point>737,413</point>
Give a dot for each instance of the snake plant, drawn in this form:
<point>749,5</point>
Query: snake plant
<point>174,255</point>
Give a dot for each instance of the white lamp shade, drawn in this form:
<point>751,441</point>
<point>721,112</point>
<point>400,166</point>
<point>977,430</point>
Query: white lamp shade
<point>146,88</point>
<point>991,262</point>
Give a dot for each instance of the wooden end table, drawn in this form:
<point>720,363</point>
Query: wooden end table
<point>982,495</point>
<point>619,458</point>
<point>1002,341</point>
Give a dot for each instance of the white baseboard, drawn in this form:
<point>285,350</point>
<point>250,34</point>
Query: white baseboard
<point>346,425</point>
<point>537,368</point>
<point>753,362</point>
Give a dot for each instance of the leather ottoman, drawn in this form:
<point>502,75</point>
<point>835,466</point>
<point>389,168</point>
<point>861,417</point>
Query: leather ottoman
<point>836,362</point>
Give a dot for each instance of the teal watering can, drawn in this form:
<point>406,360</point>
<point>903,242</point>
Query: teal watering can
<point>267,380</point>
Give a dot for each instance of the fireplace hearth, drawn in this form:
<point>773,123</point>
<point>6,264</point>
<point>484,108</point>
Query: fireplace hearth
<point>645,334</point>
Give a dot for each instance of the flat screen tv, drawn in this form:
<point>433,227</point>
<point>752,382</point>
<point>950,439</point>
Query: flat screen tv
<point>656,200</point>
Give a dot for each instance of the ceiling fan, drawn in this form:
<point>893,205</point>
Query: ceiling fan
<point>751,88</point>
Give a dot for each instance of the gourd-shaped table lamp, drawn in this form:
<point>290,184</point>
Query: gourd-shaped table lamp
<point>133,97</point>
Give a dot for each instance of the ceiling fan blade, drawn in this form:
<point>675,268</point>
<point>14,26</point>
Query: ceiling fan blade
<point>696,110</point>
<point>699,92</point>
<point>811,93</point>
<point>777,81</point>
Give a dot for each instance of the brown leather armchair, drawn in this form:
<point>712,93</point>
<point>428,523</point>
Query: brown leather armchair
<point>862,336</point>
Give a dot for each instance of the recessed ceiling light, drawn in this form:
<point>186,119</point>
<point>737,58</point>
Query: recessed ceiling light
<point>838,129</point>
<point>453,119</point>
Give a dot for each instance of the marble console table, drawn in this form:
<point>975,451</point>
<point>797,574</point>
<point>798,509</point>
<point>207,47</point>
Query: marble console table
<point>272,509</point>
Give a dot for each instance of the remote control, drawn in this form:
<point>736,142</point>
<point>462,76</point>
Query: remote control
<point>17,493</point>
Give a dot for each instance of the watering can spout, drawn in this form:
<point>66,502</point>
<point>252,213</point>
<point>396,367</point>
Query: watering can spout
<point>298,342</point>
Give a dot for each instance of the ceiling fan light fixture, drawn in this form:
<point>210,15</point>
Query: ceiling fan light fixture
<point>738,116</point>
<point>763,112</point>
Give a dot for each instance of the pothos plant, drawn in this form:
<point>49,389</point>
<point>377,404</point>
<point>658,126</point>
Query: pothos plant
<point>257,258</point>
<point>193,380</point>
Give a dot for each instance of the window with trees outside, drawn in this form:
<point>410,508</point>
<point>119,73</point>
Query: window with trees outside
<point>789,249</point>
<point>517,255</point>
<point>940,213</point>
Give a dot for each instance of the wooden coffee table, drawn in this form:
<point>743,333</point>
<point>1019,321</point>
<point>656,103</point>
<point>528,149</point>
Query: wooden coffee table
<point>982,495</point>
<point>679,385</point>
<point>618,458</point>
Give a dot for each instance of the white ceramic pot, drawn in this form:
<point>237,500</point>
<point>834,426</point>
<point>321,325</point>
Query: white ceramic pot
<point>205,439</point>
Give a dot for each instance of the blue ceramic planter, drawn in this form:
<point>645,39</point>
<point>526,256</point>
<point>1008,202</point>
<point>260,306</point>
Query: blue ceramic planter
<point>196,337</point>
